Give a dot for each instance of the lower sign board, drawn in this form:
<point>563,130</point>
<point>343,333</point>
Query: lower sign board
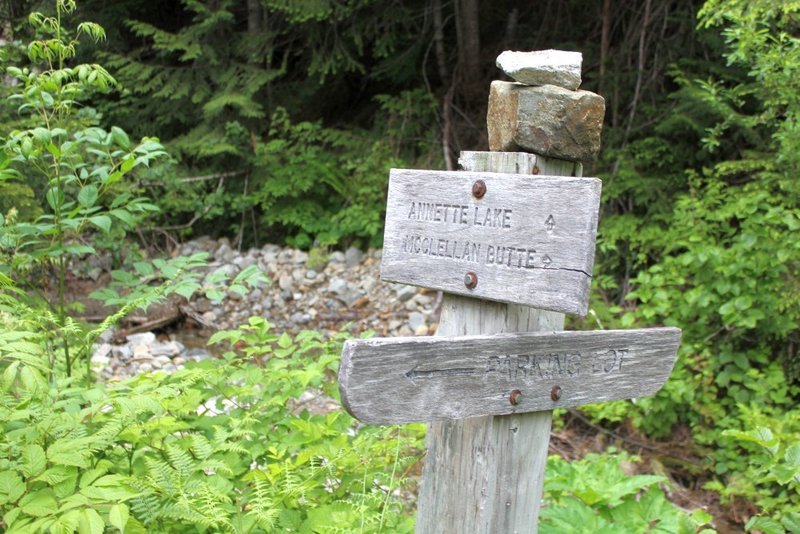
<point>402,380</point>
<point>511,238</point>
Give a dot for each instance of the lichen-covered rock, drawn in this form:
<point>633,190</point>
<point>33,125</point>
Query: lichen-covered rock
<point>543,67</point>
<point>548,120</point>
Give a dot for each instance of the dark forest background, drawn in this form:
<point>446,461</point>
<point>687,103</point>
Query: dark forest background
<point>281,119</point>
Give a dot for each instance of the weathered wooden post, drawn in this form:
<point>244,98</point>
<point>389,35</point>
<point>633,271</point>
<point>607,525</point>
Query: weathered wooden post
<point>513,253</point>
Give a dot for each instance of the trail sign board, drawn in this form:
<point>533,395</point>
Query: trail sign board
<point>494,236</point>
<point>401,380</point>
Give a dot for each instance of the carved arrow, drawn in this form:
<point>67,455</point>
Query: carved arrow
<point>435,373</point>
<point>546,261</point>
<point>550,223</point>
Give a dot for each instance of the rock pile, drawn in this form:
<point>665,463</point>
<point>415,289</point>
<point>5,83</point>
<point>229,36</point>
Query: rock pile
<point>143,353</point>
<point>324,293</point>
<point>340,290</point>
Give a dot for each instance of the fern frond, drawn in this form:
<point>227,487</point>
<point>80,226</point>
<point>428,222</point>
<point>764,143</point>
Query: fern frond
<point>181,461</point>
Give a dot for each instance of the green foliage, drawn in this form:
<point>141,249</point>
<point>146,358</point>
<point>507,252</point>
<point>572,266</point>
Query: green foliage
<point>218,95</point>
<point>222,445</point>
<point>707,241</point>
<point>81,177</point>
<point>771,475</point>
<point>74,170</point>
<point>595,494</point>
<point>321,184</point>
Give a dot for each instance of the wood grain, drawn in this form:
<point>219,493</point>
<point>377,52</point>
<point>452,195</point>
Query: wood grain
<point>402,380</point>
<point>485,475</point>
<point>528,241</point>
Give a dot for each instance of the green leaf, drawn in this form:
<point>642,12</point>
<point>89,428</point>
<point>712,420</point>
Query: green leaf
<point>11,487</point>
<point>123,215</point>
<point>113,178</point>
<point>118,516</point>
<point>101,221</point>
<point>761,435</point>
<point>284,341</point>
<point>56,475</point>
<point>54,150</point>
<point>90,522</point>
<point>55,197</point>
<point>9,375</point>
<point>120,137</point>
<point>791,521</point>
<point>67,523</point>
<point>701,517</point>
<point>792,455</point>
<point>143,268</point>
<point>127,164</point>
<point>68,452</point>
<point>39,504</point>
<point>11,516</point>
<point>88,196</point>
<point>187,290</point>
<point>766,525</point>
<point>109,488</point>
<point>135,527</point>
<point>215,295</point>
<point>743,302</point>
<point>34,460</point>
<point>26,146</point>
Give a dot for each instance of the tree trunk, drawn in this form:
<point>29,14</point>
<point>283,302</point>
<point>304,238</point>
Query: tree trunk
<point>254,17</point>
<point>438,39</point>
<point>469,42</point>
<point>604,44</point>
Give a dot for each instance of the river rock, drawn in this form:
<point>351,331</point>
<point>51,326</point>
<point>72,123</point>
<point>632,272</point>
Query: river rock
<point>353,257</point>
<point>234,295</point>
<point>338,286</point>
<point>300,318</point>
<point>102,354</point>
<point>548,120</point>
<point>543,67</point>
<point>145,338</point>
<point>415,320</point>
<point>224,252</point>
<point>405,292</point>
<point>243,262</point>
<point>285,282</point>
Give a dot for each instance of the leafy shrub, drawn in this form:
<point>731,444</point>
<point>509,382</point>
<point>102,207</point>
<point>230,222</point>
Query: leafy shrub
<point>712,247</point>
<point>595,494</point>
<point>221,445</point>
<point>68,175</point>
<point>770,477</point>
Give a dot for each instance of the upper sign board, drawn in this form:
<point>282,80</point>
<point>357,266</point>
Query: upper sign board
<point>511,238</point>
<point>401,380</point>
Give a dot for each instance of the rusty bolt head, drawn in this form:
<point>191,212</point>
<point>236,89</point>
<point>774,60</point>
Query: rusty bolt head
<point>535,169</point>
<point>479,189</point>
<point>515,397</point>
<point>555,393</point>
<point>470,280</point>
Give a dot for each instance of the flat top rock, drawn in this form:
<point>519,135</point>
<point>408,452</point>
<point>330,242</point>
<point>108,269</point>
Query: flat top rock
<point>543,67</point>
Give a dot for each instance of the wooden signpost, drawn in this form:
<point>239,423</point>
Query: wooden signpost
<point>497,236</point>
<point>401,380</point>
<point>512,246</point>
